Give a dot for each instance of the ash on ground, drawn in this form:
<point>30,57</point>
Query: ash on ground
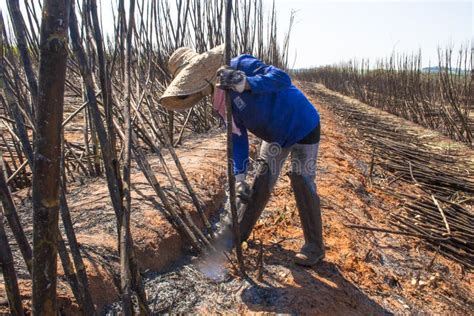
<point>185,289</point>
<point>193,284</point>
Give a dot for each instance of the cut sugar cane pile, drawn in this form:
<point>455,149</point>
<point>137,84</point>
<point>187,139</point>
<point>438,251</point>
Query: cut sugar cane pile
<point>440,211</point>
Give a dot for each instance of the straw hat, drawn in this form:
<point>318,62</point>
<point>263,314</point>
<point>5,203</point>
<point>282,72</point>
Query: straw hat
<point>192,73</point>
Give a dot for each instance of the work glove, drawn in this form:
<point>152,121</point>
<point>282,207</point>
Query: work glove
<point>231,79</point>
<point>242,194</point>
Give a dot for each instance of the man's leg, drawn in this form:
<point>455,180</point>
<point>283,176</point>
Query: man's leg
<point>302,176</point>
<point>270,162</point>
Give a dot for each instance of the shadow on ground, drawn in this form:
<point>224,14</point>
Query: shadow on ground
<point>291,289</point>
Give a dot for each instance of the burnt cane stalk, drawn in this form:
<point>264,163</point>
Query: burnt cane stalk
<point>9,274</point>
<point>69,270</point>
<point>87,302</point>
<point>105,81</point>
<point>169,212</point>
<point>129,268</point>
<point>180,168</point>
<point>112,179</point>
<point>125,238</point>
<point>20,127</point>
<point>20,32</point>
<point>80,269</point>
<point>47,153</point>
<point>230,149</point>
<point>14,220</point>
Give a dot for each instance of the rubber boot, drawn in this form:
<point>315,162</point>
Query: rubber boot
<point>309,208</point>
<point>249,209</point>
<point>260,194</point>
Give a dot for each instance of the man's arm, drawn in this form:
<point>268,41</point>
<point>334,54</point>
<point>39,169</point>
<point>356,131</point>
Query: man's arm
<point>271,80</point>
<point>241,153</point>
<point>250,73</point>
<point>241,160</point>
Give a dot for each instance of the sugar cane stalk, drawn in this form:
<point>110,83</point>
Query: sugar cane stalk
<point>69,270</point>
<point>20,32</point>
<point>14,220</point>
<point>9,274</point>
<point>125,238</point>
<point>111,175</point>
<point>230,162</point>
<point>47,145</point>
<point>80,270</point>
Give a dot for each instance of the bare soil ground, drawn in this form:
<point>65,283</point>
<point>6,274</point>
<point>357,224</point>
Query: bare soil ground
<point>364,272</point>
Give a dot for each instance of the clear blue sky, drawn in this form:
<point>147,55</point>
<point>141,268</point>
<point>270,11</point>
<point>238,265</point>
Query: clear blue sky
<point>327,32</point>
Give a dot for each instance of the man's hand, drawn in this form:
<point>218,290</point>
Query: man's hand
<point>242,192</point>
<point>231,79</point>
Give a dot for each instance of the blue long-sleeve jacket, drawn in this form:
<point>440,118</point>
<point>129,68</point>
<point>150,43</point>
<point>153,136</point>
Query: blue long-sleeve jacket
<point>273,110</point>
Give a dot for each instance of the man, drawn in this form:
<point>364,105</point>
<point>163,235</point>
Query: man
<point>266,103</point>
